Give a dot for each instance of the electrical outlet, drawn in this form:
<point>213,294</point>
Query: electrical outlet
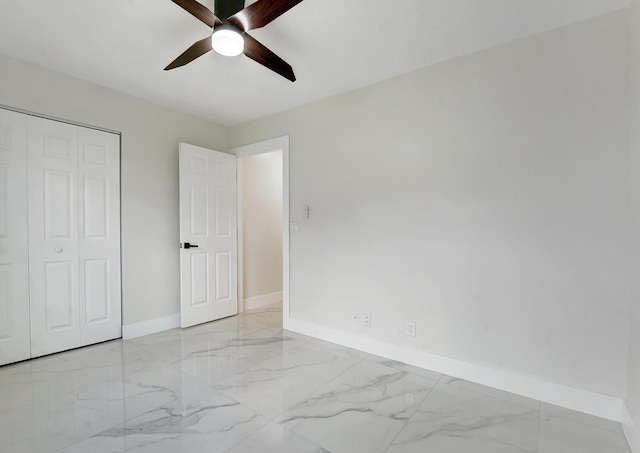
<point>355,317</point>
<point>366,319</point>
<point>411,329</point>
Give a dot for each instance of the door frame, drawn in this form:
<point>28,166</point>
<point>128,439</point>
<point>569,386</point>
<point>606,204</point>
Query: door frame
<point>266,146</point>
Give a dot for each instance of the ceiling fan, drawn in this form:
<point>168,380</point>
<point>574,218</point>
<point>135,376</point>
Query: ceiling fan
<point>230,25</point>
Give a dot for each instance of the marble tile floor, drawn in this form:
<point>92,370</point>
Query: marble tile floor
<point>243,384</point>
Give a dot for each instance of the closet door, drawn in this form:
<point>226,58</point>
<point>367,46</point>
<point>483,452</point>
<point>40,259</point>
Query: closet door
<point>53,236</point>
<point>14,245</point>
<point>99,246</point>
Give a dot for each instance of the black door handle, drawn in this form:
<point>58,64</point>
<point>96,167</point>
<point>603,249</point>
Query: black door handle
<point>189,246</point>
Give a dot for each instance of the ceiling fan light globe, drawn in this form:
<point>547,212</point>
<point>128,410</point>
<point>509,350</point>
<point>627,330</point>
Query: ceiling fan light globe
<point>227,42</point>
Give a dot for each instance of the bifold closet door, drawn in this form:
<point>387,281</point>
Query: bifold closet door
<point>74,242</point>
<point>14,245</point>
<point>99,241</point>
<point>53,236</point>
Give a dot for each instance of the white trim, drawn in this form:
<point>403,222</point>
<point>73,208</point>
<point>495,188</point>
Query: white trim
<point>59,120</point>
<point>579,400</point>
<point>630,430</point>
<point>240,236</point>
<point>140,329</point>
<point>266,146</point>
<point>285,230</point>
<point>260,301</point>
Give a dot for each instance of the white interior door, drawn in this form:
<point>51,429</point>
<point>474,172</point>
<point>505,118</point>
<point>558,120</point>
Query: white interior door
<point>14,245</point>
<point>53,236</point>
<point>99,235</point>
<point>208,221</point>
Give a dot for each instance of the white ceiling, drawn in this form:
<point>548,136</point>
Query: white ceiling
<point>333,45</point>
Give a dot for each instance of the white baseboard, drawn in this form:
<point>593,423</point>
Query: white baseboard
<point>561,395</point>
<point>261,301</point>
<point>630,430</point>
<point>140,329</point>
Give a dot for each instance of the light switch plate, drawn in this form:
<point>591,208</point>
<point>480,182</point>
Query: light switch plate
<point>294,227</point>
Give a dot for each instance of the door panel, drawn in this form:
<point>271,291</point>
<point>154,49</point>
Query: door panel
<point>96,207</point>
<point>58,295</point>
<point>58,204</point>
<point>99,242</point>
<point>53,238</point>
<point>223,275</point>
<point>207,219</point>
<point>6,302</point>
<point>4,199</point>
<point>96,290</point>
<point>199,278</point>
<point>223,212</point>
<point>199,210</point>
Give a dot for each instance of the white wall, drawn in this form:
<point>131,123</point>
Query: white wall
<point>149,175</point>
<point>633,395</point>
<point>485,198</point>
<point>261,179</point>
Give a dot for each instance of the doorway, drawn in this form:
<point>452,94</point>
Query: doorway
<point>263,224</point>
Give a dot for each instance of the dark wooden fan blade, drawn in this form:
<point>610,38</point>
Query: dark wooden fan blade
<point>199,11</point>
<point>198,49</point>
<point>261,13</point>
<point>259,53</point>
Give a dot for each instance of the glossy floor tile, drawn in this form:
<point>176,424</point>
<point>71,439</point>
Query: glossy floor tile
<point>363,409</point>
<point>455,419</point>
<point>243,384</point>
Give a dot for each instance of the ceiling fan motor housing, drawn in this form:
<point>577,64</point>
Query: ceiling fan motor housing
<point>227,26</point>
